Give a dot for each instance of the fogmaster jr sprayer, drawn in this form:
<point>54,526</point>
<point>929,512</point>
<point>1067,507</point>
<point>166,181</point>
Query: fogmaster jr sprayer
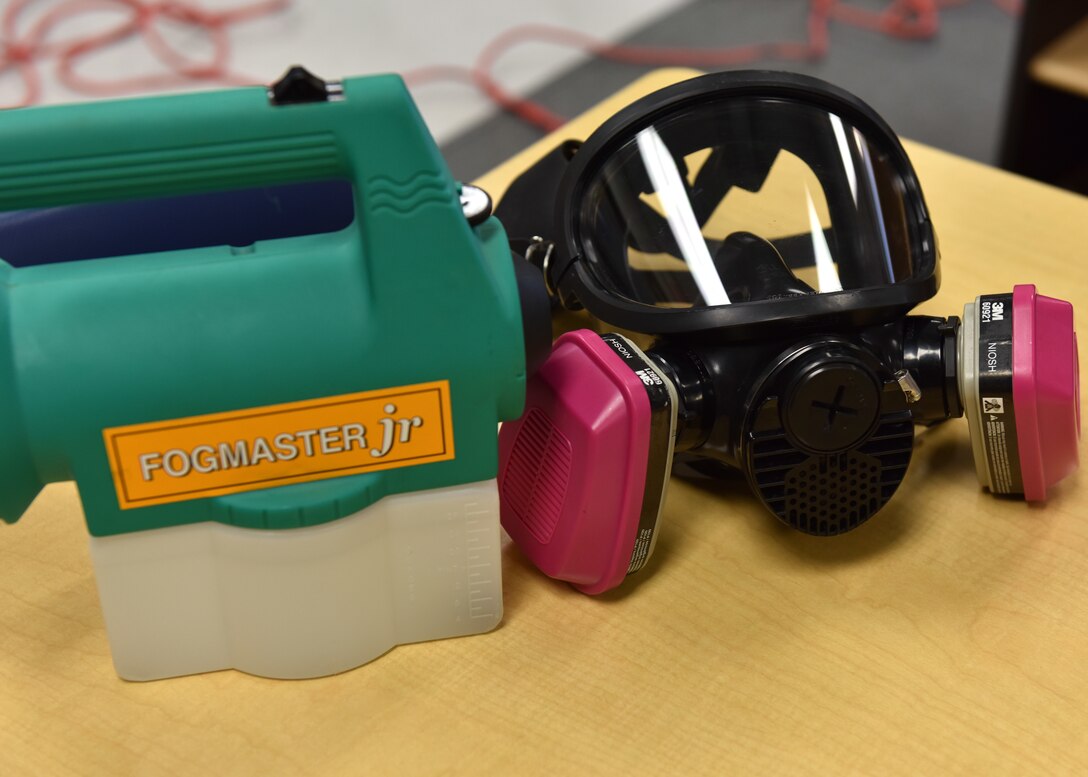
<point>270,338</point>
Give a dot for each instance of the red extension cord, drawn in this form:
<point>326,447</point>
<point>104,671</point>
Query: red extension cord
<point>908,19</point>
<point>22,49</point>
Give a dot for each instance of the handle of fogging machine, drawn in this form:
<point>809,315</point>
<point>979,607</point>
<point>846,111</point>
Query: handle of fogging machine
<point>181,144</point>
<point>186,144</point>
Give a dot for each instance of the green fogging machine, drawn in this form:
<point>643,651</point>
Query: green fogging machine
<point>270,338</point>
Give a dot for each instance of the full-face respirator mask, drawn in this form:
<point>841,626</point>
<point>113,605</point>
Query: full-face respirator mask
<point>756,241</point>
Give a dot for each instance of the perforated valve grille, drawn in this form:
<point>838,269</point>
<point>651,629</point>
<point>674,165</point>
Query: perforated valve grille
<point>536,474</point>
<point>833,493</point>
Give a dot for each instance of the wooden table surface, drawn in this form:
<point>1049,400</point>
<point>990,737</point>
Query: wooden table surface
<point>948,635</point>
<point>1064,63</point>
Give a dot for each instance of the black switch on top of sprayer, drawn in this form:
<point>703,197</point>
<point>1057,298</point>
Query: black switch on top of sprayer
<point>298,85</point>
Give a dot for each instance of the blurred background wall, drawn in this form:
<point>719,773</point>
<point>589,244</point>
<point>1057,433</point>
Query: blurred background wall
<point>956,74</point>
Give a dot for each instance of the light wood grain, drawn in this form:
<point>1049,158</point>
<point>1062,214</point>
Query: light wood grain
<point>1064,63</point>
<point>949,635</point>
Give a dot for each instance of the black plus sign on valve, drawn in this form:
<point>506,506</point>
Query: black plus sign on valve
<point>834,407</point>
<point>831,407</point>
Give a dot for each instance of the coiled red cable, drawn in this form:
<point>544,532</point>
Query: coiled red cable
<point>905,19</point>
<point>26,39</point>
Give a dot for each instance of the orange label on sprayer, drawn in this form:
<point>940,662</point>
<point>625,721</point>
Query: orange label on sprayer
<point>275,445</point>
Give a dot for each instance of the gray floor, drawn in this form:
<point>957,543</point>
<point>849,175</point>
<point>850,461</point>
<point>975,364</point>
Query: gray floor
<point>948,92</point>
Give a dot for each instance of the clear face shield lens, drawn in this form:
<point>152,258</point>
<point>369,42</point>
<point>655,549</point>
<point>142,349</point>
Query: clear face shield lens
<point>743,200</point>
